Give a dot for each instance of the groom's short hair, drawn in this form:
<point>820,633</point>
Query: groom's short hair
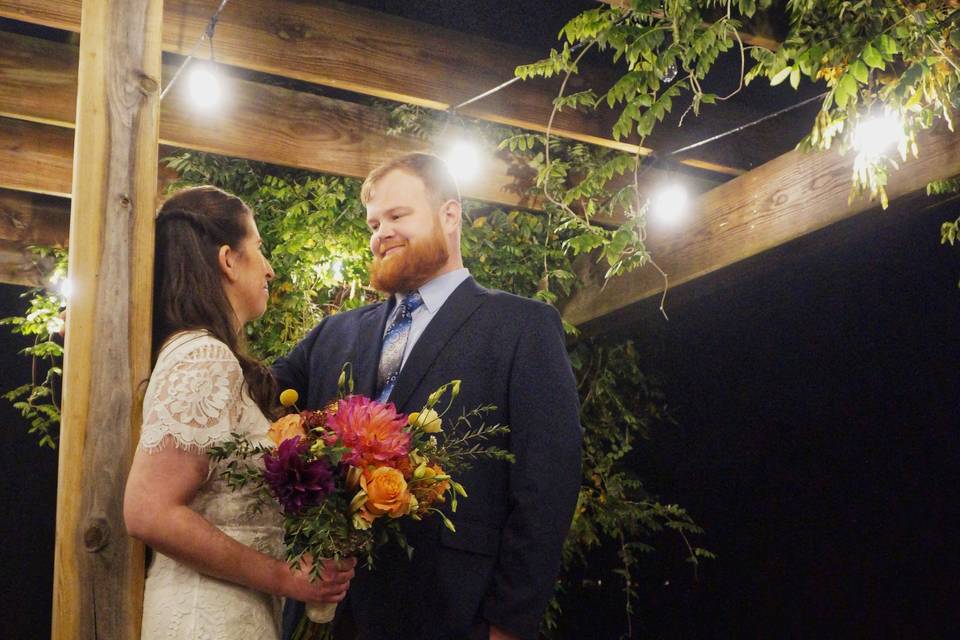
<point>431,169</point>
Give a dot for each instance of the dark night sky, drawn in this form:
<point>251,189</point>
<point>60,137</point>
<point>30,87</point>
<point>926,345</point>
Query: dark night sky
<point>815,390</point>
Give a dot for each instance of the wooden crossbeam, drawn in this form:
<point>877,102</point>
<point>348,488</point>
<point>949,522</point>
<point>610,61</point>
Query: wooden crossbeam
<point>30,219</point>
<point>788,197</point>
<point>35,157</point>
<point>258,122</point>
<point>38,158</point>
<point>367,52</point>
<point>20,266</point>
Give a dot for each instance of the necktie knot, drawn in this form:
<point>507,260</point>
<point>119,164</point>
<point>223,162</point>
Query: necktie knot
<point>410,303</point>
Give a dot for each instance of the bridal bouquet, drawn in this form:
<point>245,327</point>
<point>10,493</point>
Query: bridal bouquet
<point>343,476</point>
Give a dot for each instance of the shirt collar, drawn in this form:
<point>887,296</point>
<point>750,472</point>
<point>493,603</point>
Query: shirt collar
<point>436,291</point>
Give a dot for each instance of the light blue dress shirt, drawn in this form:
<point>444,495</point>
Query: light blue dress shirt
<point>434,294</point>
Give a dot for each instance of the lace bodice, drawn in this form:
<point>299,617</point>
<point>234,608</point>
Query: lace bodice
<point>195,399</point>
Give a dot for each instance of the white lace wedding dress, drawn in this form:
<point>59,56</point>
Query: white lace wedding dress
<point>194,400</point>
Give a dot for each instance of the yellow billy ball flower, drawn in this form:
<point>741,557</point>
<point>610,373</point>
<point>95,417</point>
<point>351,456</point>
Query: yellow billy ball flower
<point>289,397</point>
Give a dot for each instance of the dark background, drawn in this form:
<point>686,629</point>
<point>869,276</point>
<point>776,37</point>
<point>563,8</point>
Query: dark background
<point>815,393</point>
<point>815,389</point>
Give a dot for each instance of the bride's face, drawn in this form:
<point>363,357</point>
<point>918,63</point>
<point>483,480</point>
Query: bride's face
<point>247,275</point>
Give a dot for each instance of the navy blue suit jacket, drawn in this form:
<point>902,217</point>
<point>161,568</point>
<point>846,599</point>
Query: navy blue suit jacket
<point>500,566</point>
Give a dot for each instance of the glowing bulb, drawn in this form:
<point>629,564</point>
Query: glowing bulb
<point>874,136</point>
<point>669,203</point>
<point>65,288</point>
<point>205,91</point>
<point>463,159</point>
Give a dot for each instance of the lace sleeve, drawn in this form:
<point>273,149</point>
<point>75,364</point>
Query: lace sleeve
<point>193,397</point>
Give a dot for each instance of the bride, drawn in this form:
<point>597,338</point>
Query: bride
<point>218,571</point>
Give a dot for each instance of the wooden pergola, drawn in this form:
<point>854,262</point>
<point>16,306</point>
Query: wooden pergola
<point>81,129</point>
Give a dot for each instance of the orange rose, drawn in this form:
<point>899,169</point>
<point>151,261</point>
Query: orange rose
<point>285,428</point>
<point>386,492</point>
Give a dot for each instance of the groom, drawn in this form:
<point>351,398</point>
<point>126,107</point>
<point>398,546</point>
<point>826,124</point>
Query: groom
<point>494,576</point>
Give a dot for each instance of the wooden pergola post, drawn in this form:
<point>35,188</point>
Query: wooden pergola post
<point>98,570</point>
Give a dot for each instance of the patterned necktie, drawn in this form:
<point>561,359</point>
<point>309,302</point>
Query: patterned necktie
<point>394,344</point>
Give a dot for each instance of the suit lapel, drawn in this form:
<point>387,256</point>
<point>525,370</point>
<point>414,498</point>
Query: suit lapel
<point>372,324</point>
<point>443,326</point>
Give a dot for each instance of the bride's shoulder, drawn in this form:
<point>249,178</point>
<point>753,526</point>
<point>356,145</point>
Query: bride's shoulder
<point>194,345</point>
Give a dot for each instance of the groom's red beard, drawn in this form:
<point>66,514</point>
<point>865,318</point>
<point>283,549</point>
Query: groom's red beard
<point>413,266</point>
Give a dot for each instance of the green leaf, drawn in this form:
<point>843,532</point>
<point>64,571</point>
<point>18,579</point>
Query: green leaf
<point>889,46</point>
<point>872,58</point>
<point>795,77</point>
<point>782,75</point>
<point>584,243</point>
<point>846,89</point>
<point>859,71</point>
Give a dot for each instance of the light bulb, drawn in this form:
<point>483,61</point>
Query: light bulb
<point>669,203</point>
<point>463,160</point>
<point>65,288</point>
<point>204,86</point>
<point>875,135</point>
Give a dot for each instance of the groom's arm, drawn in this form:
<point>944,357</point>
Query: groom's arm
<point>293,370</point>
<point>546,439</point>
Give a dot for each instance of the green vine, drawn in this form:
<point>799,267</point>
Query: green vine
<point>37,400</point>
<point>874,56</point>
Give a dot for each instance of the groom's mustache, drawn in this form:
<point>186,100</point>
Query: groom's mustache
<point>383,248</point>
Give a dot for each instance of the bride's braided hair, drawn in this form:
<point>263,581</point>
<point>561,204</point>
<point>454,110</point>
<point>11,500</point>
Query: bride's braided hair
<point>188,292</point>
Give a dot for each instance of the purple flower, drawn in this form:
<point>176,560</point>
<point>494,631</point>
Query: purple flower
<point>295,482</point>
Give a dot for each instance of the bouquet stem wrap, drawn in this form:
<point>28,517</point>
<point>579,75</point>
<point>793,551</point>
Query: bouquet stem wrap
<point>321,613</point>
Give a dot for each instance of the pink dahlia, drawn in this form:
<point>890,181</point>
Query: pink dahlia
<point>374,432</point>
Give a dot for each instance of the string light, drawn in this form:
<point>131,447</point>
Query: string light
<point>207,35</point>
<point>669,203</point>
<point>874,135</point>
<point>204,85</point>
<point>61,286</point>
<point>65,288</point>
<point>463,159</point>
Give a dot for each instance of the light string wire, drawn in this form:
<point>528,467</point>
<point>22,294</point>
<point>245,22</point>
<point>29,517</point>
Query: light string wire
<point>206,35</point>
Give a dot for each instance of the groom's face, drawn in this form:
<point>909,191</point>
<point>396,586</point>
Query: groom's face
<point>407,239</point>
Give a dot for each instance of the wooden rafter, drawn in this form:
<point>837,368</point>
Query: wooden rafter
<point>258,122</point>
<point>367,52</point>
<point>29,219</point>
<point>788,197</point>
<point>263,123</point>
<point>36,158</point>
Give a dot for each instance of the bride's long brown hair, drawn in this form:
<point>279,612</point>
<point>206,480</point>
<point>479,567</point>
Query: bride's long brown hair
<point>188,292</point>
